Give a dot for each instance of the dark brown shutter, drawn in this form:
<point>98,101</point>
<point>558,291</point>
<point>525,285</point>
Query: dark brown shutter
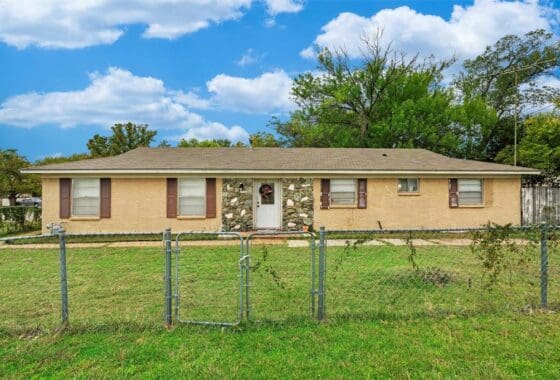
<point>325,193</point>
<point>105,195</point>
<point>453,193</point>
<point>65,185</point>
<point>362,193</point>
<point>210,197</point>
<point>171,197</point>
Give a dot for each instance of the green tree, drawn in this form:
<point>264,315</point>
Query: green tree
<point>61,159</point>
<point>214,143</point>
<point>263,139</point>
<point>504,75</point>
<point>540,147</point>
<point>164,144</point>
<point>384,100</point>
<point>12,181</point>
<point>125,137</point>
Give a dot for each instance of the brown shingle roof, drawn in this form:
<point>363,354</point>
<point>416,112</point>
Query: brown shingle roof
<point>279,160</point>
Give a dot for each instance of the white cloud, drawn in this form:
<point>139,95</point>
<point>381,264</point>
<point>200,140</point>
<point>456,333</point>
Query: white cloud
<point>468,31</point>
<point>217,131</point>
<point>115,96</point>
<point>71,24</point>
<point>267,93</point>
<point>548,81</point>
<point>270,22</point>
<point>52,155</point>
<point>250,57</point>
<point>275,7</point>
<point>192,100</point>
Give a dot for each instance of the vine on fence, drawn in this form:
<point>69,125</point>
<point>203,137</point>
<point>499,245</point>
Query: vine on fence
<point>263,262</point>
<point>504,248</point>
<point>412,252</point>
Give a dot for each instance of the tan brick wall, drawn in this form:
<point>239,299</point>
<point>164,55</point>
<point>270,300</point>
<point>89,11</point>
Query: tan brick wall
<point>137,205</point>
<point>429,209</point>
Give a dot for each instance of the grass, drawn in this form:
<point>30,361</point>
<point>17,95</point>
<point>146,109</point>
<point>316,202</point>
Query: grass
<point>385,320</point>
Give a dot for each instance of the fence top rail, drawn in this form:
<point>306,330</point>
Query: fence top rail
<point>80,234</point>
<point>274,233</point>
<point>211,233</point>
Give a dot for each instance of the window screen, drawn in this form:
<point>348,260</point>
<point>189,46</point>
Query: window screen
<point>343,191</point>
<point>85,197</point>
<point>191,194</point>
<point>470,192</point>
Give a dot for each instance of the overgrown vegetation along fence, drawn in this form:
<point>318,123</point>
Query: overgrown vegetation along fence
<point>363,274</point>
<point>14,219</point>
<point>540,204</point>
<point>503,268</point>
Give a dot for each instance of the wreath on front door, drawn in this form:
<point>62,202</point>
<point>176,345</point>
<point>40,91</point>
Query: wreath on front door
<point>266,190</point>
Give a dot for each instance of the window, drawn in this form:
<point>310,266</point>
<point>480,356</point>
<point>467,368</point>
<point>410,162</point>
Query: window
<point>470,192</point>
<point>343,192</point>
<point>85,197</point>
<point>407,185</point>
<point>266,191</point>
<point>192,200</point>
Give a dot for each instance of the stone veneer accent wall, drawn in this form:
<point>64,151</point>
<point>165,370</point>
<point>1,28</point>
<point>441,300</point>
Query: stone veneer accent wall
<point>237,204</point>
<point>297,207</point>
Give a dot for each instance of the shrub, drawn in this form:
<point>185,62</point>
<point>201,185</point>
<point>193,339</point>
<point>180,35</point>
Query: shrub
<point>16,219</point>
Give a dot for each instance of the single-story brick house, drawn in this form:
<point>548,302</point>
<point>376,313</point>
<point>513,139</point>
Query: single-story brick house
<point>242,189</point>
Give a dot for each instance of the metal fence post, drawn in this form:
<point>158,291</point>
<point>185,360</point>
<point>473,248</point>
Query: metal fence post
<point>168,296</point>
<point>544,265</point>
<point>247,279</point>
<point>321,284</point>
<point>313,290</point>
<point>63,277</point>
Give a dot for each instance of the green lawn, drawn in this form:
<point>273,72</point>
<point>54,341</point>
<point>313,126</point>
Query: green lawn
<point>384,318</point>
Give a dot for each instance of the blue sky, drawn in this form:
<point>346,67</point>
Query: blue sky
<point>70,70</point>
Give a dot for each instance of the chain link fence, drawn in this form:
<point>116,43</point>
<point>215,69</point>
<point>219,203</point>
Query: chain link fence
<point>482,270</point>
<point>209,282</point>
<point>108,286</point>
<point>280,276</point>
<point>281,280</point>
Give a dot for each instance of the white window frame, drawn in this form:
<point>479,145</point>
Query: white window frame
<point>332,203</point>
<point>179,196</point>
<point>73,197</point>
<point>481,181</point>
<point>407,186</point>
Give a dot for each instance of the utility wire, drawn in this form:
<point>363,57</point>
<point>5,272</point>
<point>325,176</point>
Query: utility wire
<point>541,109</point>
<point>515,71</point>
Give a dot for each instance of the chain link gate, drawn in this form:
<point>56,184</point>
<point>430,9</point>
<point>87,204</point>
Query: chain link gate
<point>207,289</point>
<point>213,298</point>
<point>275,283</point>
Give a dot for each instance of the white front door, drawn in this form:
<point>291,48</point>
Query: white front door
<point>267,194</point>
